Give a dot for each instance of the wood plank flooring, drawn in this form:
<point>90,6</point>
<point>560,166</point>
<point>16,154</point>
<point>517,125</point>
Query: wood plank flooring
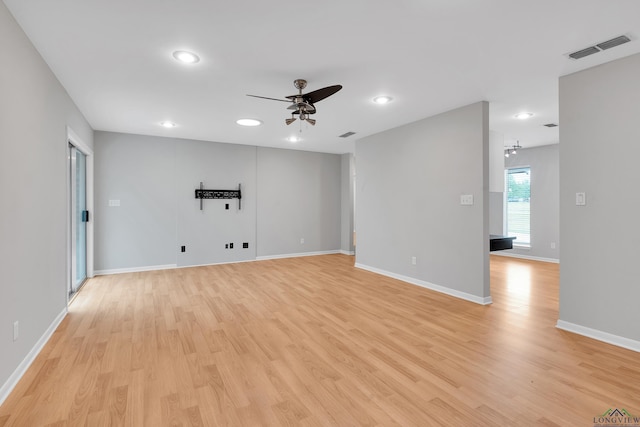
<point>315,342</point>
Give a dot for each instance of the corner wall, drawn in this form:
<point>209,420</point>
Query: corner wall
<point>409,183</point>
<point>599,151</point>
<point>298,197</point>
<point>35,111</point>
<point>347,203</point>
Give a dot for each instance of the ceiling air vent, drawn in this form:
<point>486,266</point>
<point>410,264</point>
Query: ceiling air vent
<point>617,41</point>
<point>550,125</point>
<point>584,52</point>
<point>613,42</point>
<point>347,135</point>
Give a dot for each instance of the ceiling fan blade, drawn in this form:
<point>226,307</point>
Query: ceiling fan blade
<point>272,99</point>
<point>292,107</point>
<point>320,94</point>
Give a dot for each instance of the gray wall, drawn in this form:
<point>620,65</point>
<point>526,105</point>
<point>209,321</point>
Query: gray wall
<point>206,232</point>
<point>347,202</point>
<point>409,183</point>
<point>496,181</point>
<point>544,162</point>
<point>496,213</point>
<point>287,195</point>
<point>599,151</point>
<point>34,113</point>
<point>142,230</point>
<point>298,197</point>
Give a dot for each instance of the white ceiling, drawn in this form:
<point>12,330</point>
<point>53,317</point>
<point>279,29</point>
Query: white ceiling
<point>114,57</point>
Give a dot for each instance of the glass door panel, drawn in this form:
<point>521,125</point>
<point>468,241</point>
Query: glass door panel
<point>79,218</point>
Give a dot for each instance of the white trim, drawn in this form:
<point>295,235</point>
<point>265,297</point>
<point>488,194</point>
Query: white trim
<point>13,379</point>
<point>172,266</point>
<point>522,246</point>
<point>267,257</point>
<point>529,257</point>
<point>135,269</point>
<point>73,138</point>
<point>599,335</point>
<point>343,252</point>
<point>433,287</point>
<point>78,142</point>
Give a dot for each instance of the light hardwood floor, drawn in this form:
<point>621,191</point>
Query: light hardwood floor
<point>313,341</point>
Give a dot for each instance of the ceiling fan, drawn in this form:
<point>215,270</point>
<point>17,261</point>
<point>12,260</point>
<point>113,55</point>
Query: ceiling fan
<point>302,104</point>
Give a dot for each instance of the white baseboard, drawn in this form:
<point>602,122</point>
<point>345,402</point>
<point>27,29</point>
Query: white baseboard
<point>343,252</point>
<point>521,256</point>
<point>134,269</point>
<point>172,266</point>
<point>12,381</point>
<point>433,287</point>
<point>267,257</point>
<point>599,335</point>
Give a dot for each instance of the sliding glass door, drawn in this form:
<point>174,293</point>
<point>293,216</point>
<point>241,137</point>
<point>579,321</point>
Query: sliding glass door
<point>79,218</point>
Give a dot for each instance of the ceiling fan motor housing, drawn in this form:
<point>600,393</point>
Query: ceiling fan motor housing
<point>300,84</point>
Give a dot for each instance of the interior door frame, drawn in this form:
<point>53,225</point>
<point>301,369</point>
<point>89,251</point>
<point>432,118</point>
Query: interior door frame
<point>80,145</point>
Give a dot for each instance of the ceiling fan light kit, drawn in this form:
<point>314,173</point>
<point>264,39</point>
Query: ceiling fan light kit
<point>302,104</point>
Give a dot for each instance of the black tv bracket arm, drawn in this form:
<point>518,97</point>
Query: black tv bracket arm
<point>202,194</point>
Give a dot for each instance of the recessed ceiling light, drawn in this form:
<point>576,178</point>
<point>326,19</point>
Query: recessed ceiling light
<point>186,57</point>
<point>249,122</point>
<point>167,124</point>
<point>294,138</point>
<point>382,99</point>
<point>523,116</point>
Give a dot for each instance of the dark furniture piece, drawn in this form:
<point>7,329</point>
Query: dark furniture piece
<point>500,243</point>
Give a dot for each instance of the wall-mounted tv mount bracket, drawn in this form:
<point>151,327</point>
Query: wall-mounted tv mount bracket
<point>202,194</point>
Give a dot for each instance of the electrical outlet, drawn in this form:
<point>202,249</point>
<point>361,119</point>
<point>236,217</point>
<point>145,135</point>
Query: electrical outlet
<point>230,245</point>
<point>553,245</point>
<point>245,245</point>
<point>16,330</point>
<point>466,199</point>
<point>413,260</point>
<point>226,246</point>
<point>302,240</point>
<point>183,249</point>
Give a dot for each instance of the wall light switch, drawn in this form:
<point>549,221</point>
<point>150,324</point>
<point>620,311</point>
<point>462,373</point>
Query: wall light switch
<point>114,203</point>
<point>466,199</point>
<point>581,199</point>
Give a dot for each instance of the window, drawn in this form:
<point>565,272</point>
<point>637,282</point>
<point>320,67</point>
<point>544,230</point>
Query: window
<point>517,219</point>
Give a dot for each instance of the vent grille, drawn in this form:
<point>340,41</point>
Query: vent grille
<point>347,135</point>
<point>584,52</point>
<point>613,42</point>
<point>617,41</point>
<point>550,125</point>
